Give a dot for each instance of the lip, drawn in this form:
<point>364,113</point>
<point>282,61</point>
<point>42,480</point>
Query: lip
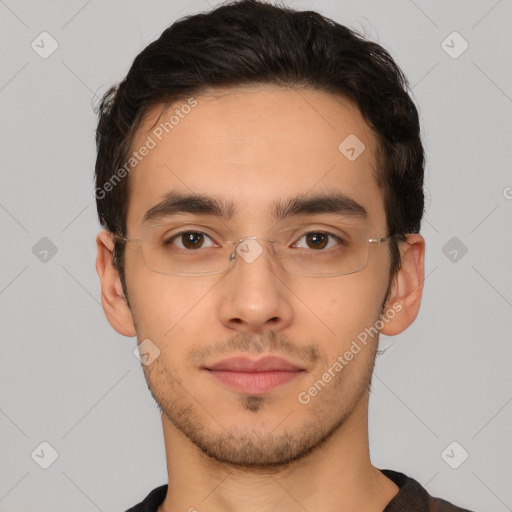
<point>244,364</point>
<point>254,377</point>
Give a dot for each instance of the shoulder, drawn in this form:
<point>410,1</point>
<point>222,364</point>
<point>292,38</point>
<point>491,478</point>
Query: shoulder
<point>152,501</point>
<point>413,497</point>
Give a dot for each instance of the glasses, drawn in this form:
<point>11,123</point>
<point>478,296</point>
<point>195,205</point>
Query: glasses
<point>302,250</point>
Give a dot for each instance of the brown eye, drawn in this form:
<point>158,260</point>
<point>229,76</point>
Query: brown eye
<point>190,240</point>
<point>317,240</point>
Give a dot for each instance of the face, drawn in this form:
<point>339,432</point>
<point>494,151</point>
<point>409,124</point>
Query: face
<point>253,149</point>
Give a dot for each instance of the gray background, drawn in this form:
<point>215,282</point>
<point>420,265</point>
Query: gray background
<point>68,379</point>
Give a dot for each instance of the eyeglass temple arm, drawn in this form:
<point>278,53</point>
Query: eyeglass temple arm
<point>379,240</point>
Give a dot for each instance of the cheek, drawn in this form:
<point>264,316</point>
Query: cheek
<point>167,306</point>
<point>343,304</point>
<point>170,313</point>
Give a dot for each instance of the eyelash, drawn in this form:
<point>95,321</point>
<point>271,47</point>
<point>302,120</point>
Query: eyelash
<point>338,239</point>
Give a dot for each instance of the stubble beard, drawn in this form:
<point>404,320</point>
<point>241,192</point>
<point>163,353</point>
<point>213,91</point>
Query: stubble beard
<point>251,449</point>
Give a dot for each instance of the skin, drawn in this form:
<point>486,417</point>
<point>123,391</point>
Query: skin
<point>228,451</point>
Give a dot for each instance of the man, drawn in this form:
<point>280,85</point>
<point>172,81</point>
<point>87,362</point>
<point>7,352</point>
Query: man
<point>260,181</point>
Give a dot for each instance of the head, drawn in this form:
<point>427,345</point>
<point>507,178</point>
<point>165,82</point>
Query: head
<point>246,109</point>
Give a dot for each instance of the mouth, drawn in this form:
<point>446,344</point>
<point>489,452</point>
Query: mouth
<point>248,376</point>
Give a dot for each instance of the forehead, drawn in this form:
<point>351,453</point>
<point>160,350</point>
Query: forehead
<point>253,146</point>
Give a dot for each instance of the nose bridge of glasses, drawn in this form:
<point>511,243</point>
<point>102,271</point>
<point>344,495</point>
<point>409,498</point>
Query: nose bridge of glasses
<point>249,248</point>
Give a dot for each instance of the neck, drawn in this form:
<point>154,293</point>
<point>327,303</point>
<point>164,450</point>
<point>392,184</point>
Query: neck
<point>336,476</point>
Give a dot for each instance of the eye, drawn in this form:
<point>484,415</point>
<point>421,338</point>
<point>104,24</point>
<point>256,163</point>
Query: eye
<point>189,240</point>
<point>318,240</point>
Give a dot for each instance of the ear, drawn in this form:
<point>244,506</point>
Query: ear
<point>113,300</point>
<point>407,287</point>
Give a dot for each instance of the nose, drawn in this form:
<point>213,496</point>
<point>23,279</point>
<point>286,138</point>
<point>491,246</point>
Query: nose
<point>255,293</point>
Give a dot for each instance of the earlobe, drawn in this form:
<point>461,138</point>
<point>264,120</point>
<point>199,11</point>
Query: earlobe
<point>407,287</point>
<point>113,300</point>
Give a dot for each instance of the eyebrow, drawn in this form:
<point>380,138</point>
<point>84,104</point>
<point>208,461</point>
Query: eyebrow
<point>175,203</point>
